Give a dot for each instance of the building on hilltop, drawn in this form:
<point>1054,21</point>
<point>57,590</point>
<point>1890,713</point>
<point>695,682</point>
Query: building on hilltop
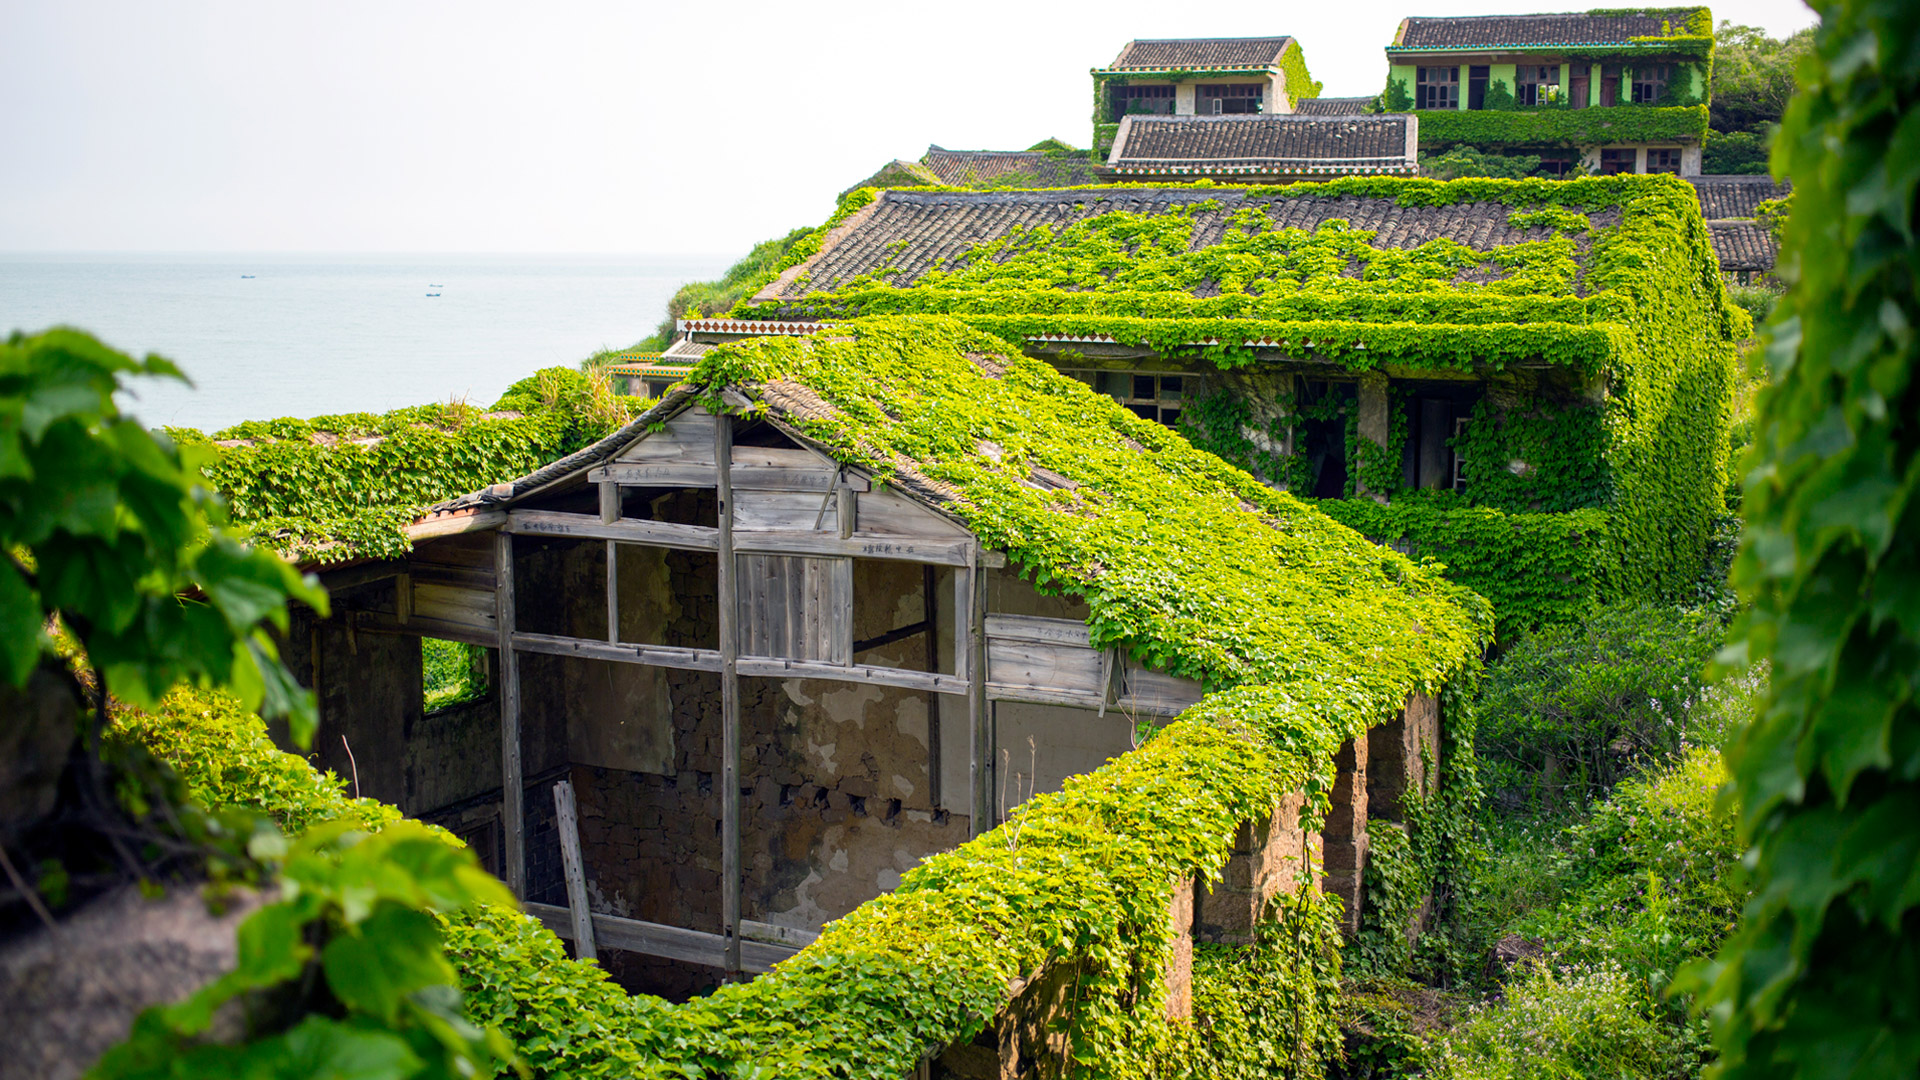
<point>841,602</point>
<point>1528,381</point>
<point>1261,76</point>
<point>1048,164</point>
<point>1604,92</point>
<point>1733,206</point>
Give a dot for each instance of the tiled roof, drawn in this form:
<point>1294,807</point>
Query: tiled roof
<point>910,233</point>
<point>1332,106</point>
<point>1268,144</point>
<point>1725,197</point>
<point>1493,31</point>
<point>962,168</point>
<point>1201,53</point>
<point>1743,245</point>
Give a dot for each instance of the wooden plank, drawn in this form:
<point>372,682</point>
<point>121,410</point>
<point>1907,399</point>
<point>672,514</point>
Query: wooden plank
<point>792,511</point>
<point>471,608</point>
<point>458,577</point>
<point>970,663</point>
<point>609,502</point>
<point>774,667</point>
<point>670,942</point>
<point>1145,690</point>
<point>567,823</point>
<point>360,574</point>
<point>777,935</point>
<point>513,817</point>
<point>835,624</point>
<point>731,879</point>
<point>939,553</point>
<point>687,437</point>
<point>613,592</point>
<point>471,550</point>
<point>785,457</point>
<point>454,524</point>
<point>379,622</point>
<point>402,598</point>
<point>1050,667</point>
<point>625,652</point>
<point>892,514</point>
<point>930,618</point>
<point>1040,695</point>
<point>812,478</point>
<point>1039,630</point>
<point>627,530</point>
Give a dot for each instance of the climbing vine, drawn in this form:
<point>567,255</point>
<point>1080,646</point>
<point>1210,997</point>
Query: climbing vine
<point>1819,976</point>
<point>1561,127</point>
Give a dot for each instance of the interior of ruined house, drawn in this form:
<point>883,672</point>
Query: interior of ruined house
<point>746,755</point>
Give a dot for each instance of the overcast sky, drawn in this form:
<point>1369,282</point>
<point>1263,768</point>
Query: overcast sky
<point>564,127</point>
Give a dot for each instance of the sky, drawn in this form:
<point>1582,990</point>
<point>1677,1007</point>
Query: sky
<point>572,126</point>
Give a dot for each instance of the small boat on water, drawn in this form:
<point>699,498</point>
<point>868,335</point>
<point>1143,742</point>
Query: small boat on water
<point>433,294</point>
<point>246,277</point>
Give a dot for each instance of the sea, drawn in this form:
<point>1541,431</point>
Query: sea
<point>265,336</point>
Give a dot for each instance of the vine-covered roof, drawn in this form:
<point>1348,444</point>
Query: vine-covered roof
<point>1585,29</point>
<point>1278,144</point>
<point>1334,106</point>
<point>1158,54</point>
<point>1188,562</point>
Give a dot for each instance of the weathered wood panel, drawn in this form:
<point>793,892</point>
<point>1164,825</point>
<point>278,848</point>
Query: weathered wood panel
<point>687,437</point>
<point>795,511</point>
<point>473,608</point>
<point>671,942</point>
<point>1145,690</point>
<point>796,608</point>
<point>892,514</point>
<point>1044,654</point>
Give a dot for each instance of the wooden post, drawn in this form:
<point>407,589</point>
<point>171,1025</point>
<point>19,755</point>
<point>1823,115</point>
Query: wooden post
<point>610,513</point>
<point>728,588</point>
<point>512,814</point>
<point>970,639</point>
<point>930,618</point>
<point>568,821</point>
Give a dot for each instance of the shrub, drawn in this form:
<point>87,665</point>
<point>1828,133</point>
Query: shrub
<point>1590,1024</point>
<point>1580,706</point>
<point>1758,300</point>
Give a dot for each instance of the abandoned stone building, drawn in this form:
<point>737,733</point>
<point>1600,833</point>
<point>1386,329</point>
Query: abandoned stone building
<point>773,677</point>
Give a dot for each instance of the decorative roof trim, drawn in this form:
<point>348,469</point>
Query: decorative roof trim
<point>1663,45</point>
<point>753,327</point>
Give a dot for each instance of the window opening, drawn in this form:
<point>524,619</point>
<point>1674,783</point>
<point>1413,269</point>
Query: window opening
<point>1665,160</point>
<point>1616,161</point>
<point>1232,99</point>
<point>452,672</point>
<point>1142,101</point>
<point>1323,434</point>
<point>1556,165</point>
<point>1433,415</point>
<point>1536,83</point>
<point>1477,86</point>
<point>1649,83</point>
<point>1437,88</point>
<point>1157,396</point>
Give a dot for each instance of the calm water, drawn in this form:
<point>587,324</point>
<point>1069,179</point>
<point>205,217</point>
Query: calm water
<point>299,335</point>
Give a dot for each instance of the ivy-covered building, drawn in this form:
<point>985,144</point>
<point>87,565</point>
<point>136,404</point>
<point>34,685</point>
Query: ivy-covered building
<point>1737,211</point>
<point>1274,149</point>
<point>1187,77</point>
<point>1530,381</point>
<point>1050,163</point>
<point>1607,92</point>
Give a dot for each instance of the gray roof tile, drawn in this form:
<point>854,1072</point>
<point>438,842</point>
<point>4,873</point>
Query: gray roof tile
<point>1201,53</point>
<point>1333,106</point>
<point>967,167</point>
<point>1286,143</point>
<point>1743,245</point>
<point>1726,197</point>
<point>1492,31</point>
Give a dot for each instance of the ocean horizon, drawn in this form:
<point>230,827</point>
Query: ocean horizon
<point>288,334</point>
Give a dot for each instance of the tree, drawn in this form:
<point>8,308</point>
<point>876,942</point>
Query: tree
<point>1752,76</point>
<point>1823,977</point>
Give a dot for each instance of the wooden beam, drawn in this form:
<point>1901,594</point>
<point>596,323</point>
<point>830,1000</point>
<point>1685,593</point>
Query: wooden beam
<point>568,825</point>
<point>670,942</point>
<point>773,667</point>
<point>512,814</point>
<point>361,574</point>
<point>969,593</point>
<point>939,552</point>
<point>464,521</point>
<point>590,527</point>
<point>930,620</point>
<point>609,502</point>
<point>702,475</point>
<point>379,622</point>
<point>613,593</point>
<point>729,605</point>
<point>667,656</point>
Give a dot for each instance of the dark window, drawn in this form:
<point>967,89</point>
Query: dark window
<point>1616,161</point>
<point>1559,166</point>
<point>1536,83</point>
<point>1649,83</point>
<point>1578,86</point>
<point>1139,100</point>
<point>1323,442</point>
<point>1663,161</point>
<point>1151,395</point>
<point>1231,99</point>
<point>1477,87</point>
<point>1435,415</point>
<point>1610,84</point>
<point>1438,88</point>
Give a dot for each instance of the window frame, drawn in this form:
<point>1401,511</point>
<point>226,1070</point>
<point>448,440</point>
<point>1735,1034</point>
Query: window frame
<point>1124,96</point>
<point>1528,91</point>
<point>1664,151</point>
<point>1632,163</point>
<point>1427,88</point>
<point>1650,83</point>
<point>1163,405</point>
